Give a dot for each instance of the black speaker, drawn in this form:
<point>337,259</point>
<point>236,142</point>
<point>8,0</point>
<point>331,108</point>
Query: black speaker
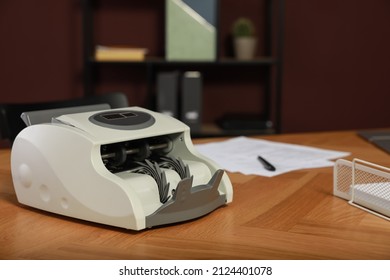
<point>191,100</point>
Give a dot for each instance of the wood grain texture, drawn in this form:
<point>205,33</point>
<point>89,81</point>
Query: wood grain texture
<point>291,216</point>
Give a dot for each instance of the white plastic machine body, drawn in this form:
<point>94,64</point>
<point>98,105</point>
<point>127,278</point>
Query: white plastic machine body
<point>130,167</point>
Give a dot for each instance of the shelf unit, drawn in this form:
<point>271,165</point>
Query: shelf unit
<point>268,65</point>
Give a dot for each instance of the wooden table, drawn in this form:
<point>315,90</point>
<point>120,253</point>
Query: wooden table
<point>290,216</point>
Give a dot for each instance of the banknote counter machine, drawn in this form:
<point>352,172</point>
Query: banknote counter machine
<point>131,168</point>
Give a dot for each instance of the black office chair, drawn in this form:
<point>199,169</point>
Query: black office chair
<point>11,123</point>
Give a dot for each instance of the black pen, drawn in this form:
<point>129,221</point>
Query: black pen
<point>266,164</point>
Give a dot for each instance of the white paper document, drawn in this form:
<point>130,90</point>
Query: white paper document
<point>240,154</point>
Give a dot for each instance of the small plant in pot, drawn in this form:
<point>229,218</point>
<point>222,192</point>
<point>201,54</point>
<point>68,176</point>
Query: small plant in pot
<point>244,39</point>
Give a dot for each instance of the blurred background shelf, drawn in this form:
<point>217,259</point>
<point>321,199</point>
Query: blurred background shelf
<point>213,130</point>
<point>229,85</point>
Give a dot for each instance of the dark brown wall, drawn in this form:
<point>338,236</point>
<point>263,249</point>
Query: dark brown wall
<point>337,65</point>
<point>40,55</point>
<point>336,54</point>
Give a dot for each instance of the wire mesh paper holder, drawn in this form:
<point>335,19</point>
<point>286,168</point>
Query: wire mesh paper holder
<point>364,184</point>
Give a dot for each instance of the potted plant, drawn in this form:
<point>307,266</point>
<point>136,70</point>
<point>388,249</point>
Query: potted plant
<point>244,39</point>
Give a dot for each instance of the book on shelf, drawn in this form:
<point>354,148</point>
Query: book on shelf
<point>119,53</point>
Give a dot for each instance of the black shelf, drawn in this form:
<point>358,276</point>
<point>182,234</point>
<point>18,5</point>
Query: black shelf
<point>212,130</point>
<point>220,62</point>
<point>269,66</point>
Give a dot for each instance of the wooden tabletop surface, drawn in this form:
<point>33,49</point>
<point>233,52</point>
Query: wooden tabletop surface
<point>290,216</point>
